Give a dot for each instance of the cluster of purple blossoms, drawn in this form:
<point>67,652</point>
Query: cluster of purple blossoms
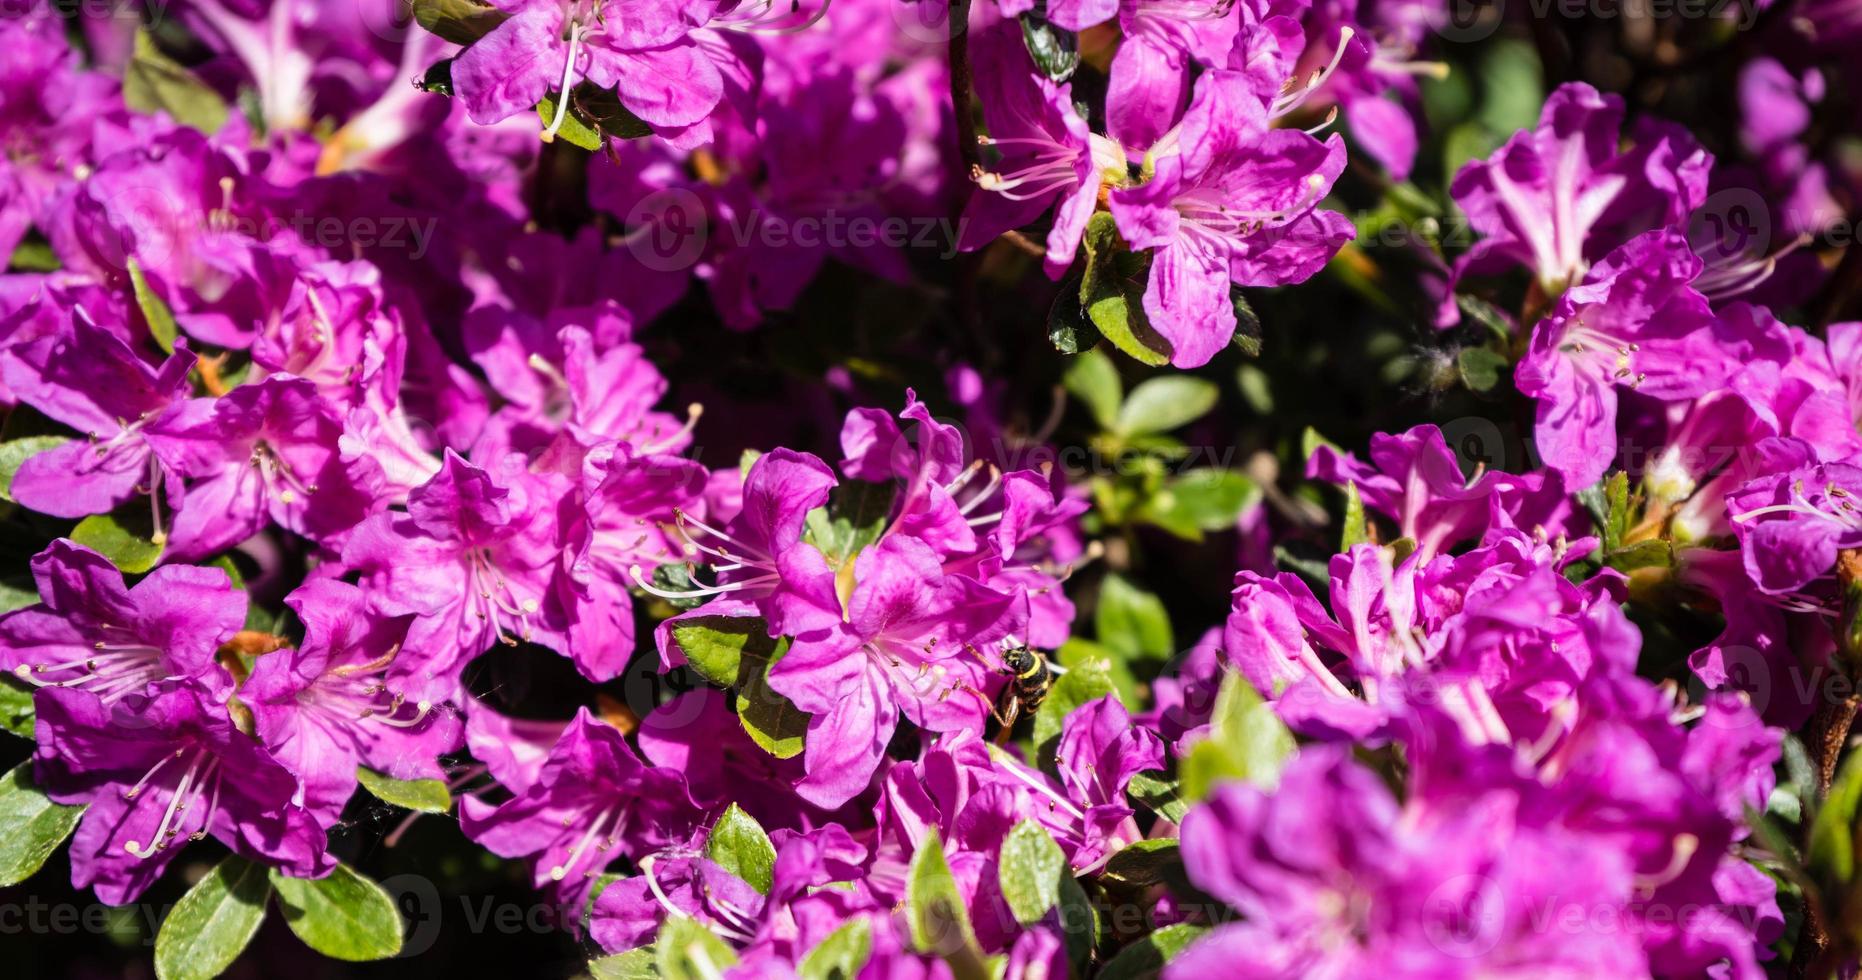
<point>362,376</point>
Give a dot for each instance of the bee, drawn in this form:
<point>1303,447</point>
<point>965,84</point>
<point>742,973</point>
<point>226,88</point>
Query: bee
<point>1030,676</point>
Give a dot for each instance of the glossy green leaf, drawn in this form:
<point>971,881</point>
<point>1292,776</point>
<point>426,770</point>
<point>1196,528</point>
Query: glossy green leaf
<point>155,311</point>
<point>15,452</point>
<point>771,720</point>
<point>1132,622</point>
<point>16,711</point>
<point>686,950</point>
<point>839,956</point>
<point>1166,403</point>
<point>1480,368</point>
<point>635,964</point>
<point>1081,683</point>
<point>33,825</point>
<point>940,924</point>
<point>424,795</point>
<point>212,924</point>
<point>129,551</point>
<point>1159,792</point>
<point>1054,50</point>
<point>714,645</point>
<point>1145,863</point>
<point>1203,499</point>
<point>154,82</point>
<point>1030,870</point>
<point>1093,379</point>
<point>1357,529</point>
<point>738,845</point>
<point>1246,741</point>
<point>459,21</point>
<point>1144,959</point>
<point>1112,292</point>
<point>344,916</point>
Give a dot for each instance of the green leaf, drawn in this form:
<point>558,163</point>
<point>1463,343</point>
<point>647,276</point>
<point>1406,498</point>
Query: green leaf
<point>1144,959</point>
<point>676,577</point>
<point>1832,833</point>
<point>594,115</point>
<point>1480,368</point>
<point>1653,553</point>
<point>1093,379</point>
<point>103,534</point>
<point>211,924</point>
<point>1068,328</point>
<point>1246,741</point>
<point>155,311</point>
<point>1206,499</point>
<point>1145,863</point>
<point>772,720</point>
<point>424,795</point>
<point>1357,529</point>
<point>1112,291</point>
<point>33,825</point>
<point>738,845</point>
<point>1081,683</point>
<point>635,964</point>
<point>1030,870</point>
<point>1247,323</point>
<point>854,518</point>
<point>16,711</point>
<point>34,254</point>
<point>839,956</point>
<point>714,645</point>
<point>1166,403</point>
<point>1132,622</point>
<point>940,924</point>
<point>1079,920</point>
<point>1616,516</point>
<point>1158,791</point>
<point>459,21</point>
<point>1055,51</point>
<point>686,950</point>
<point>14,454</point>
<point>344,916</point>
<point>153,82</point>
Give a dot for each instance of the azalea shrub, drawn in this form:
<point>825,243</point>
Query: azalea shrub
<point>969,489</point>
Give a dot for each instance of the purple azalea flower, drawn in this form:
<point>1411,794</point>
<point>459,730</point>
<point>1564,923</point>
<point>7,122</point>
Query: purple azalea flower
<point>89,379</point>
<point>1792,523</point>
<point>641,48</point>
<point>1334,878</point>
<point>1235,204</point>
<point>1416,481</point>
<point>184,209</point>
<point>629,912</point>
<point>164,772</point>
<point>1161,46</point>
<point>472,560</point>
<point>262,453</point>
<point>1635,321</point>
<point>898,645</point>
<point>1558,197</point>
<point>326,707</point>
<point>1100,750</point>
<point>90,633</point>
<point>593,801</point>
<point>1048,155</point>
<point>46,103</point>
